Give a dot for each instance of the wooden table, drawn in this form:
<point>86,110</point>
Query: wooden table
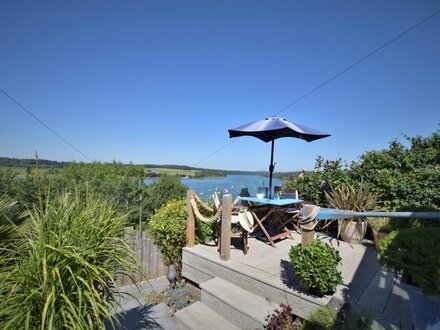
<point>277,207</point>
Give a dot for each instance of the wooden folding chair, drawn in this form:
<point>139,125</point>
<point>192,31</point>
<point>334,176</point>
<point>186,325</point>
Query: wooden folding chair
<point>236,229</point>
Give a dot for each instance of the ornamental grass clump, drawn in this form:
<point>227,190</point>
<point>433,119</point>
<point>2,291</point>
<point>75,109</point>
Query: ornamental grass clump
<point>316,266</point>
<point>61,272</point>
<point>352,198</point>
<point>326,318</point>
<point>10,219</point>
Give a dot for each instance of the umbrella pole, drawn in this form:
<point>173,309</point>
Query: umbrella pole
<point>271,168</point>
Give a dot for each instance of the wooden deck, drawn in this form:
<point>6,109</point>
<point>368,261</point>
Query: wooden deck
<point>267,272</point>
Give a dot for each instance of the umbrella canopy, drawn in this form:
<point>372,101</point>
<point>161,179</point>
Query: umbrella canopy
<point>272,128</point>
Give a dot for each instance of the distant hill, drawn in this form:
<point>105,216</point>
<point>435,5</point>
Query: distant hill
<point>150,169</point>
<point>18,162</point>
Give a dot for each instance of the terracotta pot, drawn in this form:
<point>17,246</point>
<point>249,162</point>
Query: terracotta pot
<point>353,232</point>
<point>378,237</point>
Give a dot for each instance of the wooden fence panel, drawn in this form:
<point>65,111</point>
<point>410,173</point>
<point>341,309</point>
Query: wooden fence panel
<point>148,256</point>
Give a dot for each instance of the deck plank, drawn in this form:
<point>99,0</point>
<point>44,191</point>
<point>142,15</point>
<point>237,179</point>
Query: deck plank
<point>378,292</point>
<point>398,307</point>
<point>366,285</point>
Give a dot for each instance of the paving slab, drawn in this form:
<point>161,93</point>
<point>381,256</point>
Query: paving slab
<point>136,313</point>
<point>199,316</point>
<point>147,317</point>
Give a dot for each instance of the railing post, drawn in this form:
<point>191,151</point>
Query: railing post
<point>307,236</point>
<point>190,225</point>
<point>225,236</point>
<point>308,215</point>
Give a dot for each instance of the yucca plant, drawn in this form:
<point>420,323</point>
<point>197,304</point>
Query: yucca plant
<point>351,198</point>
<point>61,273</point>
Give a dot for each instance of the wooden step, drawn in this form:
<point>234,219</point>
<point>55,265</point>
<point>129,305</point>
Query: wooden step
<point>241,307</point>
<point>201,264</point>
<point>199,316</point>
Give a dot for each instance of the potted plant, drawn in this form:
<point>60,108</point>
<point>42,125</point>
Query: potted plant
<point>381,228</point>
<point>316,267</point>
<point>358,199</point>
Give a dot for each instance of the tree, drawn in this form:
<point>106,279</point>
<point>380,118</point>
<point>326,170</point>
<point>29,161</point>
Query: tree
<point>407,177</point>
<point>313,185</point>
<point>159,193</point>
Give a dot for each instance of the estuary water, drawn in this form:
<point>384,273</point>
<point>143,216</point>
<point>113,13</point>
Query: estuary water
<point>231,184</point>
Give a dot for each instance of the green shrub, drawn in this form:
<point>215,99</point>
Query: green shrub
<point>405,175</point>
<point>167,227</point>
<point>159,193</point>
<point>315,264</point>
<point>322,319</point>
<point>353,319</point>
<point>326,318</point>
<point>61,273</point>
<point>414,252</point>
<point>313,184</point>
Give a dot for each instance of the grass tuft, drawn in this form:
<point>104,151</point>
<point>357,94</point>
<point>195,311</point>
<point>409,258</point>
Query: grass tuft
<point>61,272</point>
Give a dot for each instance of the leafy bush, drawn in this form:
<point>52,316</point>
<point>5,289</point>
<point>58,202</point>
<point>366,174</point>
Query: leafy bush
<point>326,318</point>
<point>353,319</point>
<point>322,319</point>
<point>414,252</point>
<point>281,319</point>
<point>406,177</point>
<point>159,193</point>
<point>167,227</point>
<point>315,264</point>
<point>313,185</point>
<point>114,182</point>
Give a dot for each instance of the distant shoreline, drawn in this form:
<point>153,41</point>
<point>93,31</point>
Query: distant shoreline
<point>182,171</point>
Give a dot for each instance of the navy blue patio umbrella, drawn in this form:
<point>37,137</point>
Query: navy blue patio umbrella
<point>272,128</point>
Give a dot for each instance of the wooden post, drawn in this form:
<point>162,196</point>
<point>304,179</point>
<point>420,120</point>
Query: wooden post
<point>190,224</point>
<point>308,212</point>
<point>225,245</point>
<point>307,236</point>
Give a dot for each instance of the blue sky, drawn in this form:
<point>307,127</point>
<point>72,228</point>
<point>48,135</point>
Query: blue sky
<point>162,82</point>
